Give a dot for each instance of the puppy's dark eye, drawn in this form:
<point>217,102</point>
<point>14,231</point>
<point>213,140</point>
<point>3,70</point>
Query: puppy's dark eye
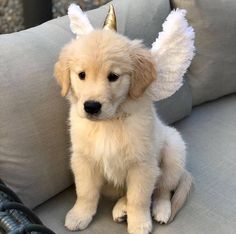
<point>82,75</point>
<point>112,77</point>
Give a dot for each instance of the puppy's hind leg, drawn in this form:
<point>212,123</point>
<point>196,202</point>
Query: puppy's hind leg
<point>161,207</point>
<point>174,177</point>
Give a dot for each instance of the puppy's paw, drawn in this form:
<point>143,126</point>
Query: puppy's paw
<point>119,212</point>
<point>140,228</point>
<point>161,211</point>
<point>77,220</point>
<point>139,222</point>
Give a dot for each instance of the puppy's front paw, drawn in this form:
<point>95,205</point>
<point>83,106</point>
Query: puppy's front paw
<point>119,212</point>
<point>161,211</point>
<point>140,228</point>
<point>139,224</point>
<point>77,220</point>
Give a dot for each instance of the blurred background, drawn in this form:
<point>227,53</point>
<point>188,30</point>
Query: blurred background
<point>16,15</point>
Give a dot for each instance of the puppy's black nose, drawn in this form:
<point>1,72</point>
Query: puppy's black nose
<point>92,107</point>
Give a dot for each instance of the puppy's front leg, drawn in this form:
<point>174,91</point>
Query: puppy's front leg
<point>88,182</point>
<point>140,185</point>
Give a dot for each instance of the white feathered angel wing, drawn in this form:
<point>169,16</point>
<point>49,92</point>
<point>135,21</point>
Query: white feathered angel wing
<point>173,51</point>
<point>79,22</point>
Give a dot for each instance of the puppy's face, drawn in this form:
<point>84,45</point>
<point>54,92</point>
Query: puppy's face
<point>101,70</point>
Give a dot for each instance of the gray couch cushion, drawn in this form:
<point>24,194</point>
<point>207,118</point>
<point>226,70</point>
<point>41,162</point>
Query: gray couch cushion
<point>212,73</point>
<point>177,106</point>
<point>33,133</point>
<point>210,133</point>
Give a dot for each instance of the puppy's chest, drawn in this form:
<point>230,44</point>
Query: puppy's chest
<point>110,152</point>
<point>109,148</point>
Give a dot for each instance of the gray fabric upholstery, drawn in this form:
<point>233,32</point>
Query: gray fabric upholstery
<point>177,106</point>
<point>34,139</point>
<point>210,133</point>
<point>33,135</point>
<point>212,73</point>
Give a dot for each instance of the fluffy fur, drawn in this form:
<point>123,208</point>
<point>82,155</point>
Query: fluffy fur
<point>125,151</point>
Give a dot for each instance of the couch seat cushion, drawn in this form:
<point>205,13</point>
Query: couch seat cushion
<point>210,133</point>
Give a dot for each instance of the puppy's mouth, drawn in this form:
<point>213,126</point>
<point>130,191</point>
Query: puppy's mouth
<point>99,117</point>
<point>93,117</point>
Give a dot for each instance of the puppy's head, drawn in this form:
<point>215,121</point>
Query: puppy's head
<point>101,70</point>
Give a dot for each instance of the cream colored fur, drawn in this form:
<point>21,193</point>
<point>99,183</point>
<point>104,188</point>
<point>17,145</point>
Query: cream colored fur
<point>126,150</point>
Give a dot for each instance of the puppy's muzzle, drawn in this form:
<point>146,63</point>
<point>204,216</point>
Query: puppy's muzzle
<point>92,107</point>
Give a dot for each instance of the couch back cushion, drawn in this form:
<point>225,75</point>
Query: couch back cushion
<point>212,73</point>
<point>33,136</point>
<point>34,141</point>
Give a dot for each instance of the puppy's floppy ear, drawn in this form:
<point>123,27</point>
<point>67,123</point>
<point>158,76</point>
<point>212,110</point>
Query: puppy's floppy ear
<point>144,69</point>
<point>62,72</point>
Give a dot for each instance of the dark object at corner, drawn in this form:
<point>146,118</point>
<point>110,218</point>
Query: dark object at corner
<point>15,218</point>
<point>36,12</point>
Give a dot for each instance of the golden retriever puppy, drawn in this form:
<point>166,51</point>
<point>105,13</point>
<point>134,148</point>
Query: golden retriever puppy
<point>119,146</point>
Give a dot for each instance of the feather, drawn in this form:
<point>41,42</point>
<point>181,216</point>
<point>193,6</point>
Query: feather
<point>173,51</point>
<point>79,22</point>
